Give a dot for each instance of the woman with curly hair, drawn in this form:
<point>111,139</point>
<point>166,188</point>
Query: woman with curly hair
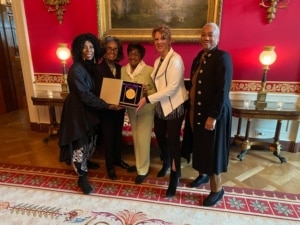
<point>77,136</point>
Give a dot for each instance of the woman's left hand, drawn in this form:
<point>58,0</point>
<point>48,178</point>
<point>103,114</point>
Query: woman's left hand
<point>210,123</point>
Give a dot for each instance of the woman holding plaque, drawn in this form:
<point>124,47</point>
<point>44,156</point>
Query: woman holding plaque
<point>79,118</point>
<point>111,125</point>
<point>168,76</point>
<point>142,121</point>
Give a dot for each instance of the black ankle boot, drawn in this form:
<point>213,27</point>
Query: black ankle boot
<point>82,179</point>
<point>84,184</point>
<point>174,180</point>
<point>163,170</point>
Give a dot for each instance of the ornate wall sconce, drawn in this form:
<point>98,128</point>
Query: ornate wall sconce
<point>272,6</point>
<point>63,53</point>
<point>58,6</point>
<point>267,57</point>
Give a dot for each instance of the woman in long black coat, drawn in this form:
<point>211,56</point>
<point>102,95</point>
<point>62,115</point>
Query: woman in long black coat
<point>77,137</point>
<point>209,115</point>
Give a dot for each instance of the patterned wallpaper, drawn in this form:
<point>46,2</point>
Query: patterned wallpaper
<point>271,86</point>
<point>237,85</point>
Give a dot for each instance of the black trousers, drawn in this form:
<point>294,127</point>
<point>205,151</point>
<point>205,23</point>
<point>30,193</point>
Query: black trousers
<point>167,134</point>
<point>111,126</point>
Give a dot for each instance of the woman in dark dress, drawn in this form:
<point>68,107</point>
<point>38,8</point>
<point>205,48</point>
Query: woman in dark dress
<point>111,125</point>
<point>77,137</point>
<point>209,114</point>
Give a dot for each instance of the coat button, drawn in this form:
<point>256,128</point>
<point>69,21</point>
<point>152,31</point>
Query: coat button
<point>199,81</point>
<point>201,71</point>
<point>199,103</point>
<point>199,92</point>
<point>198,123</point>
<point>199,114</point>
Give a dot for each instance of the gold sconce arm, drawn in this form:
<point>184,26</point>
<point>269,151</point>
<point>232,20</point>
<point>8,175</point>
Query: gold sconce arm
<point>58,6</point>
<point>272,6</point>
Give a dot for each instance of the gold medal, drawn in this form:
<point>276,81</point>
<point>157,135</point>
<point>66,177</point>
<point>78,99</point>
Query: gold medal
<point>130,93</point>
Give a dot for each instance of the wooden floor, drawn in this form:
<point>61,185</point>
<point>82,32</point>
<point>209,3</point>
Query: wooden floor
<point>259,169</point>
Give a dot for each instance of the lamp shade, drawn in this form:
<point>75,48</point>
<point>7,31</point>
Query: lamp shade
<point>63,52</point>
<point>268,56</point>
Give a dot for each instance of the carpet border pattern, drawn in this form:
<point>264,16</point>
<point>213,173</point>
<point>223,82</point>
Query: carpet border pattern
<point>236,200</point>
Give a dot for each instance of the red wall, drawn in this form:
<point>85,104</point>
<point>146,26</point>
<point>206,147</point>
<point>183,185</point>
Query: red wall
<point>244,33</point>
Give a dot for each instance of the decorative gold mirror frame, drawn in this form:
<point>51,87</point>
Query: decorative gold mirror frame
<point>214,13</point>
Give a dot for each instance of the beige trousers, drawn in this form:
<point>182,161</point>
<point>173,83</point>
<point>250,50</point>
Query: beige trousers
<point>141,126</point>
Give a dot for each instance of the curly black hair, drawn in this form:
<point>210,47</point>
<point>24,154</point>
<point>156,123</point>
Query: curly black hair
<point>78,45</point>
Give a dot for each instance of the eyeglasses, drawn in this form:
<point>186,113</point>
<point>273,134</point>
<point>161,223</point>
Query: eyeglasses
<point>109,49</point>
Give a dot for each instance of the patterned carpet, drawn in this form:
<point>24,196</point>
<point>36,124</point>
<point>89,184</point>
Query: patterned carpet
<point>36,195</point>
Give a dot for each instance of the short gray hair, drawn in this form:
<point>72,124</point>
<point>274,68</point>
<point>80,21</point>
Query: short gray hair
<point>215,26</point>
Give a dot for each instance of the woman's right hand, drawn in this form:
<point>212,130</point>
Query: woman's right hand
<point>115,107</point>
<point>145,91</point>
<point>141,103</point>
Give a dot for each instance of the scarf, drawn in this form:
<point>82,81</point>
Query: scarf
<point>89,65</point>
<point>137,70</point>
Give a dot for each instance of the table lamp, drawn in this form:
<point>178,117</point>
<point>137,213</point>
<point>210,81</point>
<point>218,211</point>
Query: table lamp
<point>63,53</point>
<point>266,58</point>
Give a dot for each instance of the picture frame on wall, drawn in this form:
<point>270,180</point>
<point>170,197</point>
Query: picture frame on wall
<point>134,19</point>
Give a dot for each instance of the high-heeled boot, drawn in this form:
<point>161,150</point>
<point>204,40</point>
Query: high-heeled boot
<point>166,162</point>
<point>173,183</point>
<point>163,170</point>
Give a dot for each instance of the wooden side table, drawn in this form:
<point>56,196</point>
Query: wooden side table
<point>268,113</point>
<point>50,100</point>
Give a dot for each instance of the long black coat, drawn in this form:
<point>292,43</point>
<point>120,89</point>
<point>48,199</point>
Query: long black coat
<point>102,71</point>
<point>110,117</point>
<point>211,148</point>
<point>80,110</point>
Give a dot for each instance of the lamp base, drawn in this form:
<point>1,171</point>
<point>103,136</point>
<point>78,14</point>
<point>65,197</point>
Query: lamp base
<point>64,87</point>
<point>260,102</point>
<point>64,94</point>
<point>260,105</point>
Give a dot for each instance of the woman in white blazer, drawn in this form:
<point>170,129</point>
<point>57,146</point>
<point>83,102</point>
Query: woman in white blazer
<point>168,76</point>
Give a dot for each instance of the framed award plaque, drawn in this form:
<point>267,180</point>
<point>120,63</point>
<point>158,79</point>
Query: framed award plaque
<point>110,90</point>
<point>119,92</point>
<point>131,94</point>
